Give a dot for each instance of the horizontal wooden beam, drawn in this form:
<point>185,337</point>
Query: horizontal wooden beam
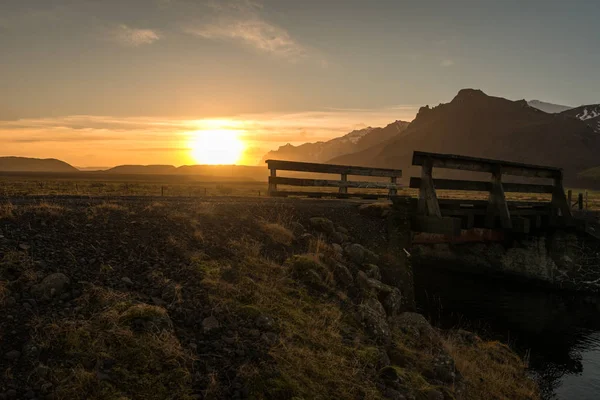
<point>465,163</point>
<point>332,169</point>
<point>371,196</point>
<point>481,186</point>
<point>443,225</point>
<point>331,183</point>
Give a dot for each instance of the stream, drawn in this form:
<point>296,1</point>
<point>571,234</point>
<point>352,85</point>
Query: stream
<point>558,332</point>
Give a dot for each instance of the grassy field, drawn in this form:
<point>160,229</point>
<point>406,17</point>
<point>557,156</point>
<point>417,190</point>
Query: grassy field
<point>221,299</point>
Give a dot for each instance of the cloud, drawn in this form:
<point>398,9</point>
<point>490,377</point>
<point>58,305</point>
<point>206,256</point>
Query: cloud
<point>447,63</point>
<point>133,37</point>
<point>241,21</point>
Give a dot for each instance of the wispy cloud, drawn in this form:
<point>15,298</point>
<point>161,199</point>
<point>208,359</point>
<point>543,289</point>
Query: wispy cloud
<point>133,37</point>
<point>447,63</point>
<point>242,21</point>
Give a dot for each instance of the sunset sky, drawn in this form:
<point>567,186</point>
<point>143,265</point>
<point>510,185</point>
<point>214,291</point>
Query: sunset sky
<point>101,83</point>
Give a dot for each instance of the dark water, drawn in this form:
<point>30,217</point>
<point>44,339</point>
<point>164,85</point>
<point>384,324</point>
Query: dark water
<point>560,333</point>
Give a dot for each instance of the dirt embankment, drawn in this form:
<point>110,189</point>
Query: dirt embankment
<point>262,299</point>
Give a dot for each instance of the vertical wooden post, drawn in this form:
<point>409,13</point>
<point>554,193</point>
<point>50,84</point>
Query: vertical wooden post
<point>272,186</point>
<point>394,191</point>
<point>162,191</point>
<point>570,198</point>
<point>580,201</point>
<point>497,205</point>
<point>428,201</point>
<point>344,189</point>
<point>559,202</point>
<point>586,199</point>
<point>205,191</point>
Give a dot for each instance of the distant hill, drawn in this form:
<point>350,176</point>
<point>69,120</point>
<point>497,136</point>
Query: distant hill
<point>479,125</point>
<point>142,169</point>
<point>23,164</point>
<point>589,114</point>
<point>548,107</point>
<point>350,143</point>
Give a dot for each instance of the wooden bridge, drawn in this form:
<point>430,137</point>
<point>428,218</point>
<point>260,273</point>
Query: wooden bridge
<point>447,216</point>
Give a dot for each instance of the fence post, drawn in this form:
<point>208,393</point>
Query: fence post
<point>272,186</point>
<point>570,198</point>
<point>344,189</point>
<point>580,201</point>
<point>393,191</point>
<point>162,191</point>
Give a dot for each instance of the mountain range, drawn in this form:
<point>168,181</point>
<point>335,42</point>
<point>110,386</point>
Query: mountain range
<point>548,107</point>
<point>352,142</point>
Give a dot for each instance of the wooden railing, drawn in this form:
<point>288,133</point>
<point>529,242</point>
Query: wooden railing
<point>342,184</point>
<point>497,207</point>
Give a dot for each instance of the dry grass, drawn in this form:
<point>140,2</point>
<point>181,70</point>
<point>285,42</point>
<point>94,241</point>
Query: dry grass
<point>3,292</point>
<point>148,359</point>
<point>278,233</point>
<point>46,210</point>
<point>491,370</point>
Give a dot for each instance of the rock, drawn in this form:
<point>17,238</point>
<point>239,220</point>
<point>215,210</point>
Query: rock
<point>297,229</point>
<point>417,326</point>
<point>393,302</point>
<point>210,323</point>
<point>355,252</point>
<point>391,374</point>
<point>372,271</point>
<point>24,246</point>
<point>322,225</point>
<point>269,338</point>
<point>342,275</point>
<point>306,238</point>
<point>431,394</point>
<point>12,355</point>
<point>339,251</point>
<point>337,237</point>
<point>343,230</point>
<point>127,281</point>
<point>371,257</point>
<point>158,301</point>
<point>370,284</point>
<point>264,322</point>
<point>52,285</point>
<point>372,315</point>
<point>42,371</point>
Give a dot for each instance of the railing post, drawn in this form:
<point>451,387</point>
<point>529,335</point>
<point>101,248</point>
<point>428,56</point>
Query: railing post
<point>393,191</point>
<point>570,198</point>
<point>497,205</point>
<point>344,189</point>
<point>428,201</point>
<point>580,201</point>
<point>559,202</point>
<point>272,186</point>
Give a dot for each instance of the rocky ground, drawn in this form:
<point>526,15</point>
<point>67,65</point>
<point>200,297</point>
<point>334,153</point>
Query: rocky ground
<point>224,299</point>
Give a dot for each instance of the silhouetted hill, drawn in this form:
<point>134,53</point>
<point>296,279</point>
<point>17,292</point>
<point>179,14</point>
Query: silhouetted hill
<point>352,142</point>
<point>476,124</point>
<point>23,164</point>
<point>589,114</point>
<point>142,169</point>
<point>548,107</point>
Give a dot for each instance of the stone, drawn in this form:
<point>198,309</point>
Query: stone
<point>127,281</point>
<point>371,257</point>
<point>417,326</point>
<point>322,225</point>
<point>297,228</point>
<point>393,302</point>
<point>51,285</point>
<point>372,271</point>
<point>355,252</point>
<point>338,250</point>
<point>42,371</point>
<point>370,284</point>
<point>342,275</point>
<point>343,230</point>
<point>264,322</point>
<point>12,355</point>
<point>338,237</point>
<point>24,246</point>
<point>210,323</point>
<point>269,338</point>
<point>372,315</point>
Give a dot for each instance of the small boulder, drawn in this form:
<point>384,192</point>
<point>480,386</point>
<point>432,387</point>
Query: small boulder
<point>322,225</point>
<point>127,281</point>
<point>338,238</point>
<point>356,253</point>
<point>297,229</point>
<point>337,249</point>
<point>210,323</point>
<point>52,285</point>
<point>372,271</point>
<point>343,230</point>
<point>342,275</point>
<point>374,319</point>
<point>393,302</point>
<point>12,355</point>
<point>418,327</point>
<point>264,322</point>
<point>370,284</point>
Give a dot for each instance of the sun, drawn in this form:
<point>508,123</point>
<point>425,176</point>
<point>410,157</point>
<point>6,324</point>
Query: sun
<point>217,146</point>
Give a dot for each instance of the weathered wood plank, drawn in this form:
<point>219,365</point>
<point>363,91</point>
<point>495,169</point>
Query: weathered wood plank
<point>443,225</point>
<point>369,196</point>
<point>428,201</point>
<point>452,161</point>
<point>272,186</point>
<point>332,169</point>
<point>279,180</point>
<point>559,203</point>
<point>344,182</point>
<point>481,186</point>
